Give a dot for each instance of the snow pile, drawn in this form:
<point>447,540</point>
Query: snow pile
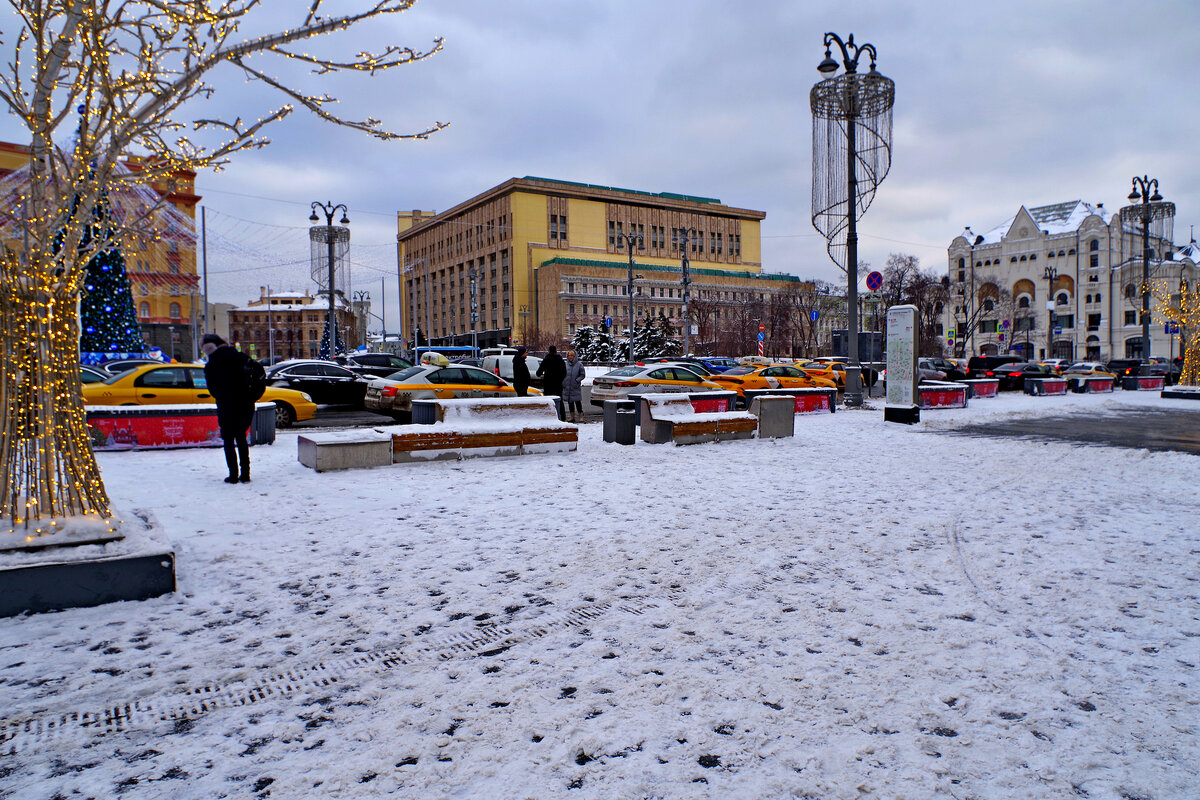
<point>864,610</point>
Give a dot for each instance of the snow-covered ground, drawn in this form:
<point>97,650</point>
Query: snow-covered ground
<point>866,610</point>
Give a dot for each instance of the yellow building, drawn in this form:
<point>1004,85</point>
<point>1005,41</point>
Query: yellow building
<point>549,257</point>
<point>162,275</point>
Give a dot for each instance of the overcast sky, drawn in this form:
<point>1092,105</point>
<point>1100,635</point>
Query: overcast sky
<point>997,105</point>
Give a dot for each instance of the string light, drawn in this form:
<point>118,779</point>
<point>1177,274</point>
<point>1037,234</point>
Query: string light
<point>120,81</point>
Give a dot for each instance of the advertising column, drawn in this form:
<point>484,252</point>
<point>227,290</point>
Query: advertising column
<point>902,399</point>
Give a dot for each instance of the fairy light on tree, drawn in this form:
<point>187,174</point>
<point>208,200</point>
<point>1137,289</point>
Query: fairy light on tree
<point>98,86</point>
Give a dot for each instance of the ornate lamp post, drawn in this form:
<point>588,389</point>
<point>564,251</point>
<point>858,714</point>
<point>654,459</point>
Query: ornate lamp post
<point>852,133</point>
<point>330,234</point>
<point>630,240</point>
<point>971,266</point>
<point>1050,274</point>
<point>361,300</point>
<point>685,237</point>
<point>1149,211</point>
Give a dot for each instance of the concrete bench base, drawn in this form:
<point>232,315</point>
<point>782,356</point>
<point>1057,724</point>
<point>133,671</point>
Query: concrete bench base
<point>671,418</point>
<point>776,415</point>
<point>345,450</point>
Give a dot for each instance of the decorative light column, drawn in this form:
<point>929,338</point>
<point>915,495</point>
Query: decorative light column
<point>1149,211</point>
<point>685,236</point>
<point>329,233</point>
<point>846,107</point>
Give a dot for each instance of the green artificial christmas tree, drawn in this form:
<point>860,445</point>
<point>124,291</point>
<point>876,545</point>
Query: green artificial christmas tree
<point>339,345</point>
<point>108,319</point>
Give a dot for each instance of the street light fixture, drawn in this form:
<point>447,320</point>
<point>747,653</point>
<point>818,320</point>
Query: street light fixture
<point>1149,210</point>
<point>1051,275</point>
<point>844,107</point>
<point>330,233</point>
<point>629,240</point>
<point>971,305</point>
<point>685,237</point>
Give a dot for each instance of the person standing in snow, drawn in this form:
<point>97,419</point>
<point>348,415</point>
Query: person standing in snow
<point>520,373</point>
<point>552,371</point>
<point>573,386</point>
<point>225,374</point>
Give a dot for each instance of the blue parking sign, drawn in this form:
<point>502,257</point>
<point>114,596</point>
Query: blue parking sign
<point>761,336</point>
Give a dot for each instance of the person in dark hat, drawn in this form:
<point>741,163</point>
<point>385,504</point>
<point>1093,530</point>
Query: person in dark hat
<point>520,373</point>
<point>225,373</point>
<point>553,371</point>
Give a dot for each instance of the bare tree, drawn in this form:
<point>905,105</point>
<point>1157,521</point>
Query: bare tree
<point>97,83</point>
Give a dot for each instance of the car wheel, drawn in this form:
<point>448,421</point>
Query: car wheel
<point>285,417</point>
<point>402,417</point>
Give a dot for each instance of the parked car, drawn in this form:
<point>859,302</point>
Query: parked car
<point>326,383</point>
<point>468,361</point>
<point>1012,376</point>
<point>775,376</point>
<point>502,365</point>
<point>374,365</point>
<point>926,371</point>
<point>171,384</point>
<point>92,374</point>
<point>717,364</point>
<point>953,370</point>
<point>1075,373</point>
<point>829,365</point>
<point>119,365</point>
<point>694,364</point>
<point>1125,367</point>
<point>617,385</point>
<point>1055,365</point>
<point>394,394</point>
<point>978,366</point>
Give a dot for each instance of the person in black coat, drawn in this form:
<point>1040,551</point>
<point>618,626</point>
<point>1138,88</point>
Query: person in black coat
<point>225,373</point>
<point>520,373</point>
<point>553,371</point>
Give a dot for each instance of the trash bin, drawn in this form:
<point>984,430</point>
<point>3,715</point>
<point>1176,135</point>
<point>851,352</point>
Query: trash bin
<point>620,421</point>
<point>262,426</point>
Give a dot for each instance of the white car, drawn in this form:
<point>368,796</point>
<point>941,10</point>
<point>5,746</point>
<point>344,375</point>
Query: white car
<point>502,365</point>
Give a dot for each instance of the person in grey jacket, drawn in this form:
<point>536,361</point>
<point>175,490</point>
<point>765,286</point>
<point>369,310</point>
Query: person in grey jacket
<point>572,391</point>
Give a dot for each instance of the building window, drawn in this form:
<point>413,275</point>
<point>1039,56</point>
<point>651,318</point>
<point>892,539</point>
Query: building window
<point>1094,260</point>
<point>1093,323</point>
<point>1130,291</point>
<point>1024,324</point>
<point>612,233</point>
<point>1023,302</point>
<point>988,326</point>
<point>989,305</point>
<point>1131,318</point>
<point>1088,299</point>
<point>175,314</point>
<point>571,308</point>
<point>1062,299</point>
<point>144,309</point>
<point>1097,298</point>
<point>554,227</point>
<point>1094,245</point>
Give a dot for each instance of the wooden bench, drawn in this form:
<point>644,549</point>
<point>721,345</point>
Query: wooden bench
<point>489,427</point>
<point>671,418</point>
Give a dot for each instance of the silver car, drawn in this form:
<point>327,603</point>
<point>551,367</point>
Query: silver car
<point>646,378</point>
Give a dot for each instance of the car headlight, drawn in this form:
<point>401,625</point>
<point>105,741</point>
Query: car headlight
<point>306,397</point>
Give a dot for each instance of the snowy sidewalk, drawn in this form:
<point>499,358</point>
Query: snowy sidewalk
<point>866,610</point>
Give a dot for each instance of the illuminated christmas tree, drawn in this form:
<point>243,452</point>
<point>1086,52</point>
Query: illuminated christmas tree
<point>108,318</point>
<point>339,345</point>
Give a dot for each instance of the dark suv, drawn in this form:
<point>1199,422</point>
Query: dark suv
<point>978,366</point>
<point>1125,367</point>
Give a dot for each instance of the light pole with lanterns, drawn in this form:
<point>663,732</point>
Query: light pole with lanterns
<point>1051,275</point>
<point>847,169</point>
<point>630,240</point>
<point>685,237</point>
<point>1148,210</point>
<point>330,234</point>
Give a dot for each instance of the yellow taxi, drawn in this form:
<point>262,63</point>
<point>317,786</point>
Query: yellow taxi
<point>175,384</point>
<point>773,376</point>
<point>433,379</point>
<point>825,371</point>
<point>647,378</point>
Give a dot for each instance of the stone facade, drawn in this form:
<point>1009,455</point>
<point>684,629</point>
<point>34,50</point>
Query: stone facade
<point>298,319</point>
<point>1074,256</point>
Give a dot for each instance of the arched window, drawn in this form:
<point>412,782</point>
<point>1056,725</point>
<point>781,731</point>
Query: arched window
<point>1130,290</point>
<point>1023,258</point>
<point>144,309</point>
<point>1062,299</point>
<point>989,304</point>
<point>1097,298</point>
<point>962,264</point>
<point>175,311</point>
<point>1089,298</point>
<point>1023,302</point>
<point>1094,245</point>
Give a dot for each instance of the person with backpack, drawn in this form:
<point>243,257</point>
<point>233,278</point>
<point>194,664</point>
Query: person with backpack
<point>230,374</point>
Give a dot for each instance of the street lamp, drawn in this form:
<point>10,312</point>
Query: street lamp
<point>844,107</point>
<point>1149,210</point>
<point>629,240</point>
<point>685,236</point>
<point>361,299</point>
<point>329,233</point>
<point>977,241</point>
<point>472,273</point>
<point>1050,274</point>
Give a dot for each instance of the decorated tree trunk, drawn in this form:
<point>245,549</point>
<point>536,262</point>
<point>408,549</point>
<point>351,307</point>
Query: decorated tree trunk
<point>48,474</point>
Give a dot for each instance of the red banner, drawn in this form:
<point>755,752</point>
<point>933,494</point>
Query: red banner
<point>1152,382</point>
<point>943,398</point>
<point>812,403</point>
<point>137,432</point>
<point>705,405</point>
<point>985,388</point>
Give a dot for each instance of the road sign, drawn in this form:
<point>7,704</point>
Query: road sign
<point>814,314</point>
<point>761,336</point>
<point>874,281</point>
<point>608,322</point>
<point>762,327</point>
<point>1004,324</point>
<point>1002,337</point>
<point>1170,328</point>
<point>950,333</point>
<point>1057,330</point>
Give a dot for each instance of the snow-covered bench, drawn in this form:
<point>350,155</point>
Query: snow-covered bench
<point>489,427</point>
<point>345,449</point>
<point>671,418</point>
